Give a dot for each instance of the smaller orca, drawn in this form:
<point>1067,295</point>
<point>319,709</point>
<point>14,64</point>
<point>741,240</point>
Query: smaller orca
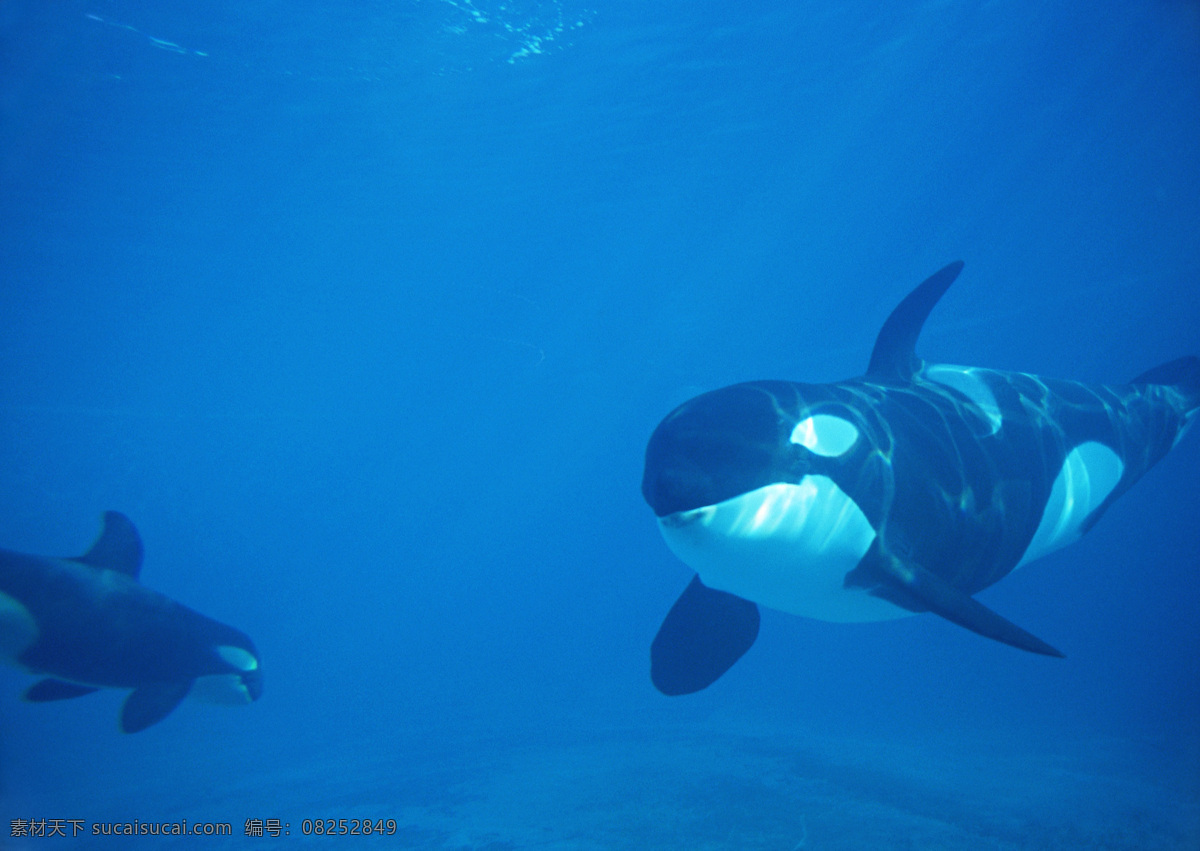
<point>86,623</point>
<point>908,489</point>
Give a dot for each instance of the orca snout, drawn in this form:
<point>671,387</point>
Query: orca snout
<point>240,682</point>
<point>715,447</point>
<point>675,484</point>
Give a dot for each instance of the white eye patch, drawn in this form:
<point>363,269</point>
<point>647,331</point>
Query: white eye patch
<point>825,434</point>
<point>236,656</point>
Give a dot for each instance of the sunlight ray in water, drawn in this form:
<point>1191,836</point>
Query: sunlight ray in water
<point>160,43</point>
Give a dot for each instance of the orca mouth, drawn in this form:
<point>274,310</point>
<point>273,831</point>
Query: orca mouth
<point>228,689</point>
<point>238,678</point>
<point>252,682</point>
<point>682,478</point>
<point>688,517</point>
<point>676,493</point>
<point>680,492</point>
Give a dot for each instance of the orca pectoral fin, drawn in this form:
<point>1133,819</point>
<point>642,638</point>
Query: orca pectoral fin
<point>46,690</point>
<point>705,632</point>
<point>944,599</point>
<point>150,704</point>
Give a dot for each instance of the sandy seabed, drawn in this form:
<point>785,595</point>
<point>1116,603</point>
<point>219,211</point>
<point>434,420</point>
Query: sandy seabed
<point>693,787</point>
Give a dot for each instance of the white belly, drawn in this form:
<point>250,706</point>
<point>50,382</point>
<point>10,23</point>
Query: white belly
<point>18,629</point>
<point>785,546</point>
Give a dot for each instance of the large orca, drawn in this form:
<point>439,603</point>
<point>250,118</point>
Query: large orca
<point>905,490</point>
<point>86,623</point>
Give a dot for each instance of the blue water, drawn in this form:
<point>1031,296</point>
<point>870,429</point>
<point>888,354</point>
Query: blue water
<point>364,318</point>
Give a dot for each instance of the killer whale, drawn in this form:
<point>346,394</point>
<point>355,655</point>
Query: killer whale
<point>905,490</point>
<point>86,623</point>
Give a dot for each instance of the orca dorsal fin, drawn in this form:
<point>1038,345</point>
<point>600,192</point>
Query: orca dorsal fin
<point>118,546</point>
<point>1182,373</point>
<point>894,355</point>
